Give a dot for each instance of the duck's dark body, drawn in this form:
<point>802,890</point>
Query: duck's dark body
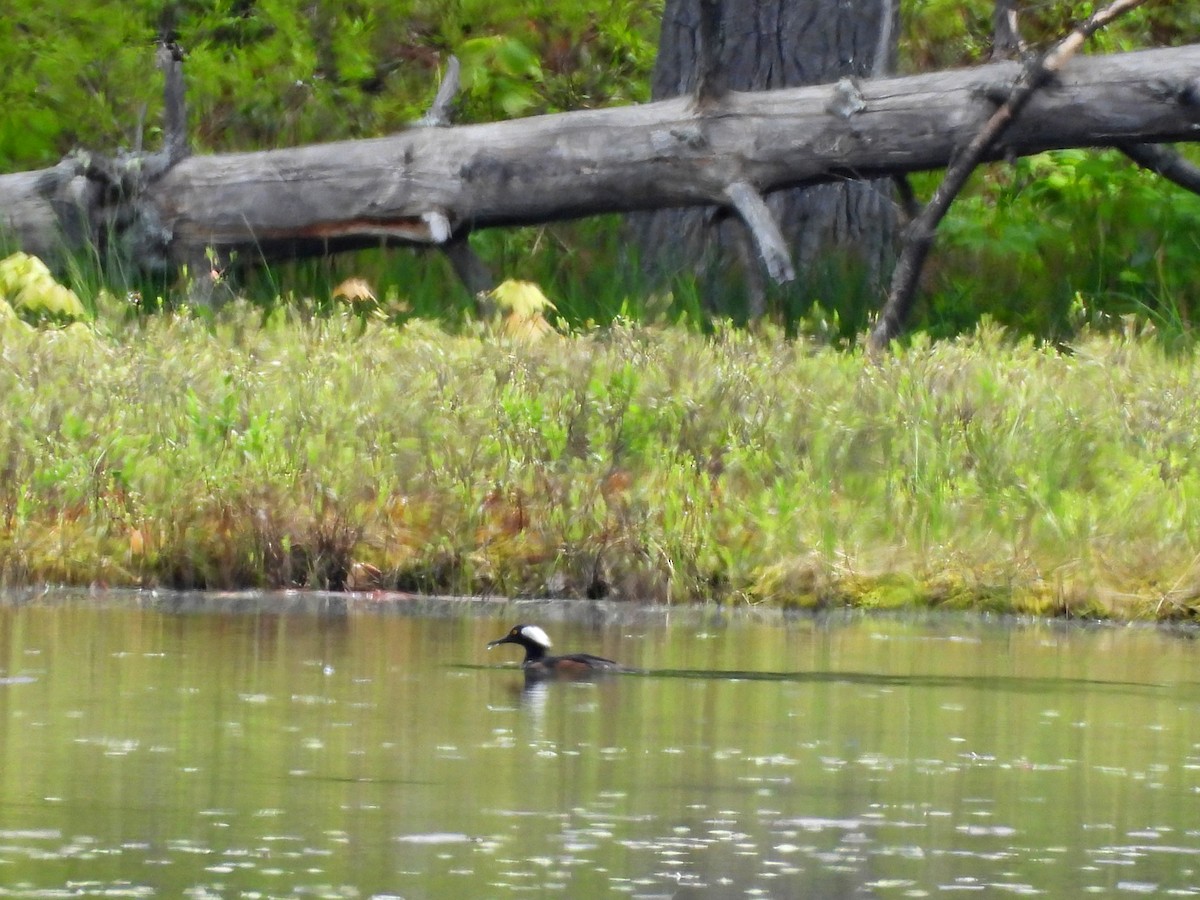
<point>572,665</point>
<point>540,664</point>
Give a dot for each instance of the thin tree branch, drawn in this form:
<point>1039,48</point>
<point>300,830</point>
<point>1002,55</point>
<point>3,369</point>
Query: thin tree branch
<point>910,205</point>
<point>922,231</point>
<point>471,270</point>
<point>1165,162</point>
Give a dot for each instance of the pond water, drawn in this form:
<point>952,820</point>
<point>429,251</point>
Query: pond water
<point>313,746</point>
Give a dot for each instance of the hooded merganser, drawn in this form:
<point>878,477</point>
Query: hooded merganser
<point>538,665</point>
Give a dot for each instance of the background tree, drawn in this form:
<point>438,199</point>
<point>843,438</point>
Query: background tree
<point>842,235</point>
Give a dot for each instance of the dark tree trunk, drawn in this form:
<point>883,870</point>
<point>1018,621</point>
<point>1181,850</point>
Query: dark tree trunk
<point>767,44</point>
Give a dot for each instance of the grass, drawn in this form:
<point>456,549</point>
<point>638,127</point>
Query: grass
<point>657,464</point>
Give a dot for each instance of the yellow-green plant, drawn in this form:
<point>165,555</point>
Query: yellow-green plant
<point>28,287</point>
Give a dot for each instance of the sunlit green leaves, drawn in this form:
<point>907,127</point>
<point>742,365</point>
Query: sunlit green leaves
<point>273,72</point>
<point>1049,229</point>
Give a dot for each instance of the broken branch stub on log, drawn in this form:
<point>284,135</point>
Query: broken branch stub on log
<point>440,112</point>
<point>430,186</point>
<point>772,247</point>
<point>472,271</point>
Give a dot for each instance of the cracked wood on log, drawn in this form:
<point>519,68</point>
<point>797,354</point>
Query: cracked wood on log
<point>427,186</point>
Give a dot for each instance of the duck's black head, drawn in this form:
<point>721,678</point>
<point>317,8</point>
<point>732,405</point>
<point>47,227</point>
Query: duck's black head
<point>533,639</point>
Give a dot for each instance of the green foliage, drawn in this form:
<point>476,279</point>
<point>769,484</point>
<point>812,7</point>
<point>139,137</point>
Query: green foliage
<point>940,34</point>
<point>503,71</point>
<point>266,73</point>
<point>1055,230</point>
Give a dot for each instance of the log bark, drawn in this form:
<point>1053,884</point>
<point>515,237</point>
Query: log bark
<point>432,186</point>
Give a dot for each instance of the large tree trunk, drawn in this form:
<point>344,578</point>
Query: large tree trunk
<point>764,45</point>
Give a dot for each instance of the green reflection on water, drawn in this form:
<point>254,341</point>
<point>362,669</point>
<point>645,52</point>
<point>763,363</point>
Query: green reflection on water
<point>365,753</point>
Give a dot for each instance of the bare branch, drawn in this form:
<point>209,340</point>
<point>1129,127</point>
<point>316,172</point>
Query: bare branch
<point>1165,162</point>
<point>909,204</point>
<point>881,65</point>
<point>762,226</point>
<point>470,269</point>
<point>922,231</point>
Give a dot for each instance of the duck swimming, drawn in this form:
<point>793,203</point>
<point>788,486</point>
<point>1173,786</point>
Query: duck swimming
<point>539,664</point>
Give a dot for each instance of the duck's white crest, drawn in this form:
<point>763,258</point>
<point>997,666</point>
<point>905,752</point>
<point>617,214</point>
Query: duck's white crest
<point>535,634</point>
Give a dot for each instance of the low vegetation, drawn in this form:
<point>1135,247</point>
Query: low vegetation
<point>648,464</point>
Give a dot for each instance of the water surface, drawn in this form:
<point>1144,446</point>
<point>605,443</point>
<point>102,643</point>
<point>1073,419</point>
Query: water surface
<point>354,749</point>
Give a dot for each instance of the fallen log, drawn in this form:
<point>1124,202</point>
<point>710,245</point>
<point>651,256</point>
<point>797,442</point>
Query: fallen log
<point>430,186</point>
